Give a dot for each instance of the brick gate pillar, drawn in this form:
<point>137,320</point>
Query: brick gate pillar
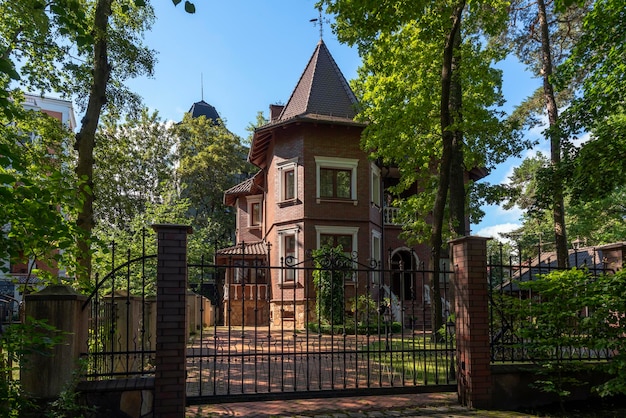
<point>469,256</point>
<point>171,327</point>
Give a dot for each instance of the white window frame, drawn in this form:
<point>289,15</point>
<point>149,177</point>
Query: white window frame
<point>284,167</point>
<point>238,213</point>
<point>375,186</point>
<point>294,274</point>
<point>252,200</point>
<point>337,163</point>
<point>339,230</point>
<point>376,254</point>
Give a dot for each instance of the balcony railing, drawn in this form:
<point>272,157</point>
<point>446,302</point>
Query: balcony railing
<point>247,292</point>
<point>391,216</point>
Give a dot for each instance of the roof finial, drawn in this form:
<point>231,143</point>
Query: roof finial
<point>201,87</point>
<point>319,21</point>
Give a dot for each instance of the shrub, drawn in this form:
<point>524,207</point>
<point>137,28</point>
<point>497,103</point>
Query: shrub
<point>332,268</point>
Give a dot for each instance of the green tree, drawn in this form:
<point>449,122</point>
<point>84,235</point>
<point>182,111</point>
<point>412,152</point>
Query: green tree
<point>134,166</point>
<point>84,50</point>
<point>38,192</point>
<point>542,35</point>
<point>429,93</point>
<point>573,312</point>
<point>597,64</point>
<point>594,211</point>
<point>598,61</point>
<point>211,160</point>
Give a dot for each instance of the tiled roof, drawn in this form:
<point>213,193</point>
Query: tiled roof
<point>591,258</point>
<point>322,89</point>
<point>251,186</point>
<point>255,248</point>
<point>322,95</point>
<point>202,108</point>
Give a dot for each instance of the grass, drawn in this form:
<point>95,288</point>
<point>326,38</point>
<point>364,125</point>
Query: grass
<point>416,359</point>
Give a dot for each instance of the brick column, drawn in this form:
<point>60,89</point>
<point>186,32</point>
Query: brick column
<point>469,255</point>
<point>171,350</point>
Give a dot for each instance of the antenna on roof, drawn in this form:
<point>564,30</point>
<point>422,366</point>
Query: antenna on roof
<point>319,21</point>
<point>201,87</point>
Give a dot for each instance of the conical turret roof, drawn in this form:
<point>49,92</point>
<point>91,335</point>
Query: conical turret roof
<point>322,95</point>
<point>321,90</point>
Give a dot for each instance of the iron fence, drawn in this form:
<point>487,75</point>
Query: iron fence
<point>271,336</point>
<point>508,295</point>
<point>122,319</point>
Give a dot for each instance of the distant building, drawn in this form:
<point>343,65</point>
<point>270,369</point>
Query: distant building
<point>202,108</point>
<point>18,273</point>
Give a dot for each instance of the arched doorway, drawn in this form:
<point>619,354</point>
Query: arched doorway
<point>404,263</point>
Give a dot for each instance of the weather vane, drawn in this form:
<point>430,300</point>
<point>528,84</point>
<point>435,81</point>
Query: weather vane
<point>319,21</point>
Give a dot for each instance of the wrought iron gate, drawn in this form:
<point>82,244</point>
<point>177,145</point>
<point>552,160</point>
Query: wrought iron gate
<point>325,326</point>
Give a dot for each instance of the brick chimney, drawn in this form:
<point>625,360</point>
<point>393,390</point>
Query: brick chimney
<point>275,111</point>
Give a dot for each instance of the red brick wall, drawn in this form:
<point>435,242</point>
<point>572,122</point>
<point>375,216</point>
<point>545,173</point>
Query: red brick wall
<point>469,256</point>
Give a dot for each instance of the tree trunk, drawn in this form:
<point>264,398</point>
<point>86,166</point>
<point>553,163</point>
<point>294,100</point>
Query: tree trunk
<point>85,139</point>
<point>458,222</point>
<point>444,168</point>
<point>554,134</point>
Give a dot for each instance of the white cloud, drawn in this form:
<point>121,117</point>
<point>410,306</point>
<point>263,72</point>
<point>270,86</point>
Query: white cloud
<point>579,141</point>
<point>494,231</point>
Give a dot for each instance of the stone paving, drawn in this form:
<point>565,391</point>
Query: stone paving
<point>416,405</point>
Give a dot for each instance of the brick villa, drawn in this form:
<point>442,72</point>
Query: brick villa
<point>315,186</point>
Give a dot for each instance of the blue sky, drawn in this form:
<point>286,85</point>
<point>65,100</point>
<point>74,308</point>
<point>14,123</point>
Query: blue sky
<point>250,54</point>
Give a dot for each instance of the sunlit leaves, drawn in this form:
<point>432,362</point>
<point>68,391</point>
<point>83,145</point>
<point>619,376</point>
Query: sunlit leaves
<point>37,189</point>
<point>599,60</point>
<point>134,163</point>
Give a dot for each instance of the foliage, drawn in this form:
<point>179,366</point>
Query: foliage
<point>375,327</point>
<point>146,182</point>
<point>445,330</point>
<point>134,167</point>
<point>600,164</point>
<point>138,240</point>
<point>598,62</point>
<point>365,308</point>
<point>80,50</point>
<point>332,268</point>
<point>38,191</point>
<point>555,326</point>
<point>398,87</point>
<point>430,98</point>
<point>211,160</point>
<point>542,34</point>
<point>68,404</point>
<point>609,293</point>
<point>17,342</point>
<point>569,314</point>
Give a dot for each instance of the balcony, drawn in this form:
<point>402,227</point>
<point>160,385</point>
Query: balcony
<point>391,216</point>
